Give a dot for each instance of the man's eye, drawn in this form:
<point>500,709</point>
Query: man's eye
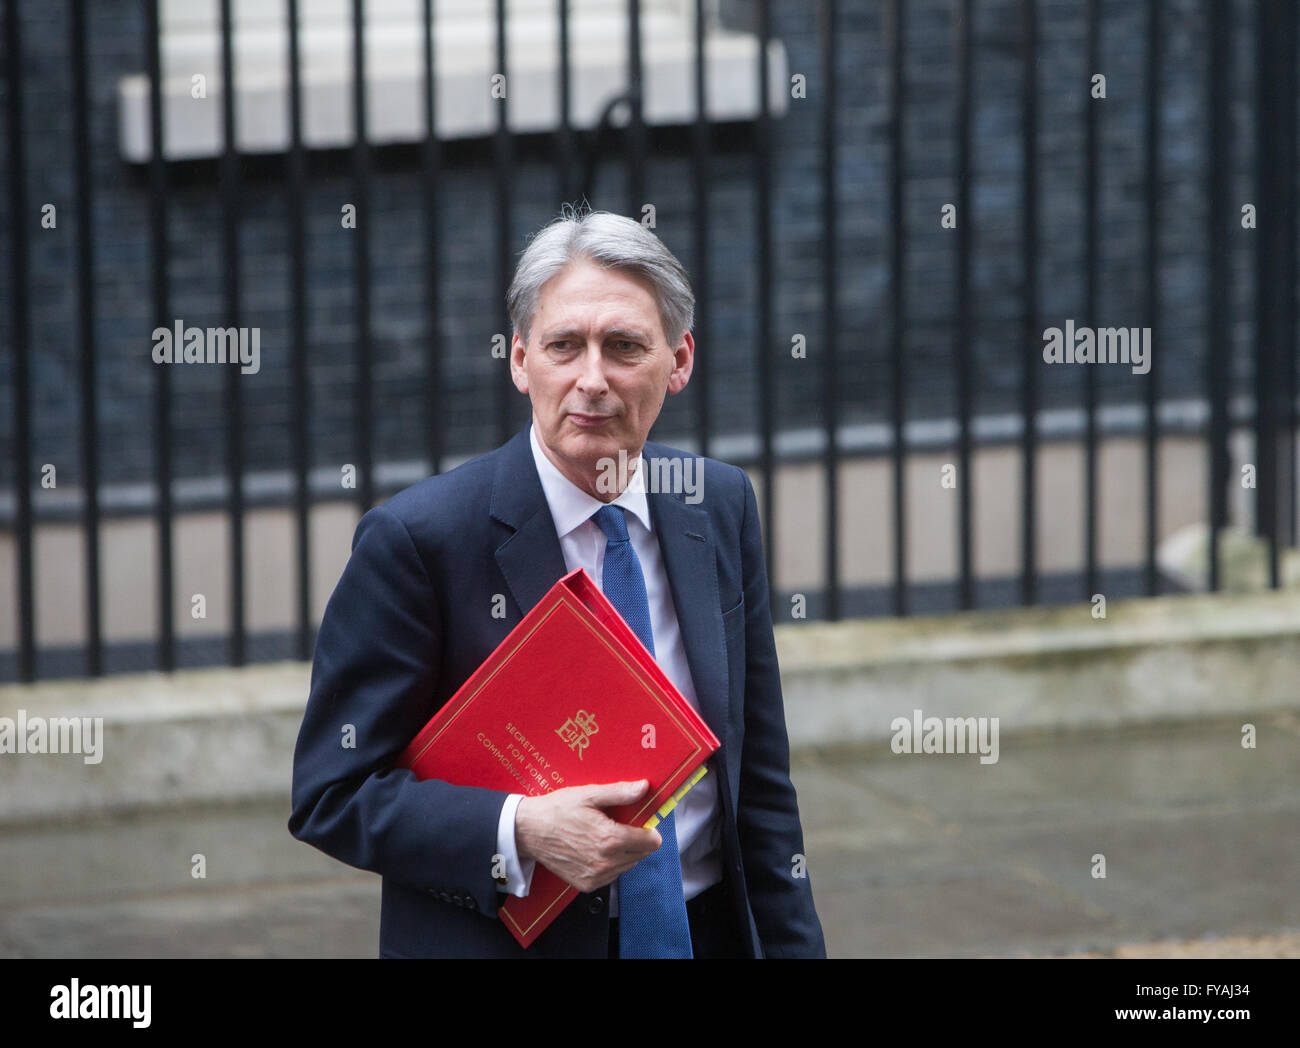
<point>624,345</point>
<point>562,345</point>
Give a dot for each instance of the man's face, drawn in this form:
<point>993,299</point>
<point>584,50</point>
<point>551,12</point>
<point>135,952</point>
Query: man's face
<point>596,367</point>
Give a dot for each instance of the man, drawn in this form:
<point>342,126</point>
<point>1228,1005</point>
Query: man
<point>602,314</point>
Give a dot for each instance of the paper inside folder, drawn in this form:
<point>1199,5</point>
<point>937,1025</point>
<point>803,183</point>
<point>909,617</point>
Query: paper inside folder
<point>666,809</point>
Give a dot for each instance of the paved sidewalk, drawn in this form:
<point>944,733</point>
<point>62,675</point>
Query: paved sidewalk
<point>910,856</point>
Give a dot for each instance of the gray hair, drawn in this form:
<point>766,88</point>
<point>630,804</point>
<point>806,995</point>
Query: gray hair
<point>608,240</point>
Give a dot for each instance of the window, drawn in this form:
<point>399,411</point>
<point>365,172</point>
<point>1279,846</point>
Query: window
<point>464,60</point>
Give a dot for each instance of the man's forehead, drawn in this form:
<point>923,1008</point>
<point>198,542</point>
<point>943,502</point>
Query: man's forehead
<point>585,299</point>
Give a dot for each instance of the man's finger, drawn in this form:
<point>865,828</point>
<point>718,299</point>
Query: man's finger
<point>637,839</point>
<point>612,794</point>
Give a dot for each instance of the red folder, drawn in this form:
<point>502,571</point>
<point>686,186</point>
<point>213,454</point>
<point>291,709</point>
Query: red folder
<point>571,697</point>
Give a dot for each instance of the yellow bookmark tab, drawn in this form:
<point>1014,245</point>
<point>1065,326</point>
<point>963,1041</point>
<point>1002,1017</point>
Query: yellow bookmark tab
<point>671,802</point>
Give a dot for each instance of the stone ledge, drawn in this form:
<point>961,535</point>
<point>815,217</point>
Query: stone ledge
<point>1045,669</point>
<point>225,735</point>
<point>1042,630</point>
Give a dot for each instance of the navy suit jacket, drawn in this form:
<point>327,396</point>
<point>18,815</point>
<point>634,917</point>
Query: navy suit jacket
<point>412,618</point>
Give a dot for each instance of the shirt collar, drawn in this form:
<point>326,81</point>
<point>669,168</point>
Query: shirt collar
<point>571,506</point>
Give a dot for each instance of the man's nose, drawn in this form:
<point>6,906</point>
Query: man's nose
<point>592,379</point>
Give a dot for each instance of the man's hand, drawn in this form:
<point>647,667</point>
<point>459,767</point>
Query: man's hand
<point>567,832</point>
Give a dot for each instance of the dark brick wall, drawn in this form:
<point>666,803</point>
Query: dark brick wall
<point>471,304</point>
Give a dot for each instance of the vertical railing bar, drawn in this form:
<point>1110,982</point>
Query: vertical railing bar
<point>1267,276</point>
<point>963,329</point>
<point>1275,273</point>
<point>1152,261</point>
<point>1030,315</point>
<point>159,253</point>
<point>636,129</point>
<point>361,258</point>
<point>502,155</point>
<point>566,146</point>
<point>1218,90</point>
<point>1291,162</point>
<point>1091,238</point>
<point>299,421</point>
<point>701,181</point>
<point>763,222</point>
<point>22,346</point>
<point>229,185</point>
<point>1284,393</point>
<point>896,32</point>
<point>431,160</point>
<point>830,312</point>
<point>86,331</point>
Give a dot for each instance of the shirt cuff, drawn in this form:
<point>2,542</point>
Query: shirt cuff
<point>517,878</point>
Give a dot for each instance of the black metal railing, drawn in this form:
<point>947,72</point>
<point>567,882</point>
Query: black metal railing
<point>574,153</point>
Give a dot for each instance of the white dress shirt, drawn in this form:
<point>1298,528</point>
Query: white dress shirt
<point>698,814</point>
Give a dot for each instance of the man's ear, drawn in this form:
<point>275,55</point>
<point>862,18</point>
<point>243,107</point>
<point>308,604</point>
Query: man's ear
<point>683,364</point>
<point>517,373</point>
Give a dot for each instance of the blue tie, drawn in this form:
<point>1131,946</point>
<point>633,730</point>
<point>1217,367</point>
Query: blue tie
<point>652,908</point>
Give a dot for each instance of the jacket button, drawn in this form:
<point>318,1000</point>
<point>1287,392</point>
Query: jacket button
<point>597,905</point>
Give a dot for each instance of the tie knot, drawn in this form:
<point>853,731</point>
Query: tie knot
<point>612,522</point>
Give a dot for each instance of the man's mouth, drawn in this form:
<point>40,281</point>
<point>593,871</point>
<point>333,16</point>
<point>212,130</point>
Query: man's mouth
<point>588,421</point>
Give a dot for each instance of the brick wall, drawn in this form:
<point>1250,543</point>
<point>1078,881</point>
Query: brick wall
<point>472,310</point>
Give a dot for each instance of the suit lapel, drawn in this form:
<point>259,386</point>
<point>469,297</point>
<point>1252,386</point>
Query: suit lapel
<point>530,558</point>
<point>686,540</point>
